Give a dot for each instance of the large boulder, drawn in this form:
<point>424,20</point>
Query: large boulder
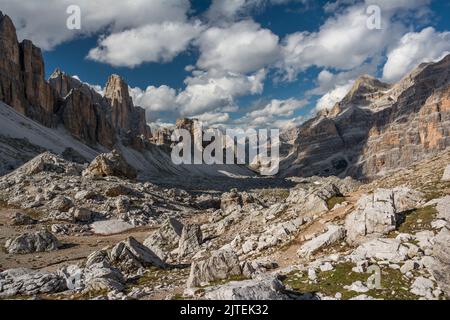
<point>332,235</point>
<point>313,199</point>
<point>49,162</point>
<point>165,239</point>
<point>379,213</point>
<point>110,164</point>
<point>130,255</point>
<point>220,265</point>
<point>81,214</point>
<point>28,282</point>
<point>96,276</point>
<point>40,241</point>
<point>260,289</point>
<point>391,250</point>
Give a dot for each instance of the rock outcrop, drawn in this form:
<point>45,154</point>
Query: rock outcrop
<point>128,256</point>
<point>190,241</point>
<point>131,255</point>
<point>221,265</point>
<point>166,239</point>
<point>110,164</point>
<point>21,219</point>
<point>379,213</point>
<point>381,250</point>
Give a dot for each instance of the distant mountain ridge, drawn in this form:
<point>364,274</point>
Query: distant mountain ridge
<point>377,127</point>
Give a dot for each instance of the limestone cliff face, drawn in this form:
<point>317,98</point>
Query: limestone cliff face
<point>83,111</point>
<point>86,114</point>
<point>126,118</point>
<point>22,76</point>
<point>377,128</point>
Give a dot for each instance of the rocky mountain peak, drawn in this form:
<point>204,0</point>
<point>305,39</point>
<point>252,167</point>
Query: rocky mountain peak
<point>8,39</point>
<point>116,92</point>
<point>365,90</point>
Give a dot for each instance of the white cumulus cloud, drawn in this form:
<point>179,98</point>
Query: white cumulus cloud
<point>414,48</point>
<point>241,47</point>
<point>150,43</point>
<point>44,21</point>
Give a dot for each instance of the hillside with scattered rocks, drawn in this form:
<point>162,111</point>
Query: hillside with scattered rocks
<point>85,235</point>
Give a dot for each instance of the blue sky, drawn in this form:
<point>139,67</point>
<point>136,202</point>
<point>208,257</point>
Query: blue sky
<point>261,63</point>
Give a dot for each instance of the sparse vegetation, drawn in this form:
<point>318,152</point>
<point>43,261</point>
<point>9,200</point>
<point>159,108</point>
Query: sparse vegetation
<point>394,285</point>
<point>418,220</point>
<point>436,189</point>
<point>333,201</point>
<point>225,281</point>
<point>280,194</point>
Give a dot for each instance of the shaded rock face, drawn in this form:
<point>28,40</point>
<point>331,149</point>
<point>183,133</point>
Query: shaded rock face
<point>83,111</point>
<point>22,82</point>
<point>377,128</point>
<point>86,114</point>
<point>125,117</point>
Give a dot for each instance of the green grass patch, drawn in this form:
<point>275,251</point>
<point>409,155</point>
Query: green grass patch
<point>394,285</point>
<point>333,201</point>
<point>418,220</point>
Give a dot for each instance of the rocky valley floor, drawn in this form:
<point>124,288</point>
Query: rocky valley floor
<point>71,231</point>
